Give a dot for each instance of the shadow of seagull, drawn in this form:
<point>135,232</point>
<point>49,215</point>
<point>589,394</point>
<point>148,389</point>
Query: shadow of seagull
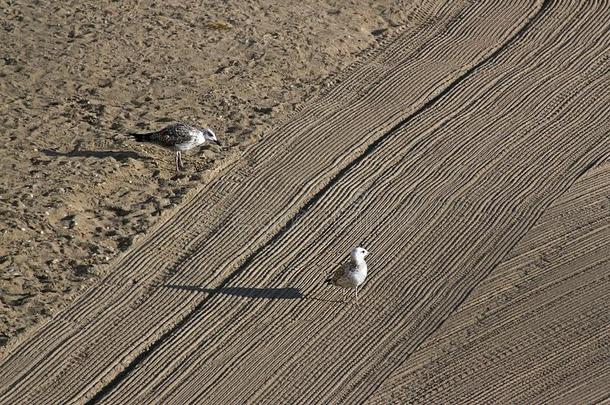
<point>247,292</point>
<point>98,154</point>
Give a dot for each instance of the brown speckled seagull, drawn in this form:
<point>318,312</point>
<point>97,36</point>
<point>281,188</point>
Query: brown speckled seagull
<point>179,137</point>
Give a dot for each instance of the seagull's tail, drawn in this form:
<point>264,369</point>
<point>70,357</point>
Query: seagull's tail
<point>141,137</point>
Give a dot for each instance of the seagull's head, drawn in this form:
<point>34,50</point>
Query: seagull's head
<point>209,135</point>
<point>359,253</point>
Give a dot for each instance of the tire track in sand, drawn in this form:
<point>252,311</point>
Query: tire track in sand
<point>450,194</point>
<point>89,343</point>
<point>534,331</point>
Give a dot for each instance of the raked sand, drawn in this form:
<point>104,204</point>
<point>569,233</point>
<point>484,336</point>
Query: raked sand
<point>468,153</point>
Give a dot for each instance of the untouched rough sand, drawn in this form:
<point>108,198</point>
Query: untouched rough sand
<point>469,152</point>
<point>76,76</point>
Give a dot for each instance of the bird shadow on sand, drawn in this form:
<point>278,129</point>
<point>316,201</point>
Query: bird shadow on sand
<point>98,154</point>
<point>246,292</point>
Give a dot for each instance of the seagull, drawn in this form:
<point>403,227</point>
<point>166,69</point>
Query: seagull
<point>352,273</point>
<point>179,137</point>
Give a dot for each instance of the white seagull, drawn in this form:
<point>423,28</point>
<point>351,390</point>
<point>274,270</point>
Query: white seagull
<point>179,137</point>
<point>352,273</point>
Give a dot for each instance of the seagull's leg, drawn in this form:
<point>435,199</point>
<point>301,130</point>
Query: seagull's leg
<point>177,161</point>
<point>344,294</point>
<point>180,160</point>
<point>356,296</point>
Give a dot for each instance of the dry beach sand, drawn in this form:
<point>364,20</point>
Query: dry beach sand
<point>467,148</point>
<point>76,76</point>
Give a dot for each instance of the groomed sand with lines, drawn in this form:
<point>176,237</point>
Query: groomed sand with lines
<point>75,77</point>
<point>469,152</point>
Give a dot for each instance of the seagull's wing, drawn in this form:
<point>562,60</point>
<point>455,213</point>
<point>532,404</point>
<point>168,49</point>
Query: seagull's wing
<point>171,135</point>
<point>342,271</point>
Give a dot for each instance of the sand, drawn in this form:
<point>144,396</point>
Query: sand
<point>75,77</point>
<point>468,151</point>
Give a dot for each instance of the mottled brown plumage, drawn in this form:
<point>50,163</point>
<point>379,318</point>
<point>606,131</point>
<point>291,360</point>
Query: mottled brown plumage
<point>179,137</point>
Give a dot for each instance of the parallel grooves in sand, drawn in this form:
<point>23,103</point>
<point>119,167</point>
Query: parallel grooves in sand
<point>106,349</point>
<point>199,216</point>
<point>144,257</point>
<point>304,209</point>
<point>207,358</point>
<point>543,336</point>
<point>449,192</point>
